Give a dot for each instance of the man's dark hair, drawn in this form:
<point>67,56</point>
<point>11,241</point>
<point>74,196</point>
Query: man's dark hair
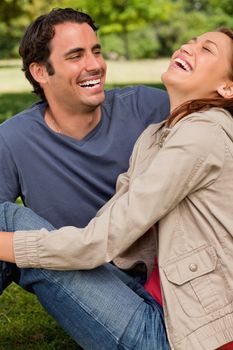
<point>35,44</point>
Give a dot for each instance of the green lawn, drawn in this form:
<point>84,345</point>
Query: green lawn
<point>12,103</point>
<point>24,325</point>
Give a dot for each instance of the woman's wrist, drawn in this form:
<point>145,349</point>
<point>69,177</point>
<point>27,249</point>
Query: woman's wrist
<point>6,246</point>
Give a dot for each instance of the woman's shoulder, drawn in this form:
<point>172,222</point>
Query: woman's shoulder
<point>213,115</point>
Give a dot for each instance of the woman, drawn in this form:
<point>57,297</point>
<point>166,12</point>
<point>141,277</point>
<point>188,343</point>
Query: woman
<point>174,203</point>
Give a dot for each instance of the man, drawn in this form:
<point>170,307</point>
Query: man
<point>62,156</point>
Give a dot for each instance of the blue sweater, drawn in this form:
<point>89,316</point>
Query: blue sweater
<point>62,179</point>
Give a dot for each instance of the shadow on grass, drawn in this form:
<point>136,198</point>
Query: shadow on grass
<point>25,325</point>
<point>12,103</point>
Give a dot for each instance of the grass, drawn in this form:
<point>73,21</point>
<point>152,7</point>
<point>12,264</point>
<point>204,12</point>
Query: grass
<point>24,325</point>
<point>12,103</point>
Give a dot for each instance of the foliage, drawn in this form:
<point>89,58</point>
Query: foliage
<point>10,9</point>
<point>129,28</point>
<point>191,19</point>
<point>142,44</point>
<point>126,16</point>
<point>14,17</point>
<point>170,37</point>
<point>21,100</point>
<point>210,6</point>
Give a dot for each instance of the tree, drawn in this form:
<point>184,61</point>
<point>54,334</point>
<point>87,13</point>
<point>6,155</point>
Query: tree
<point>214,13</point>
<point>209,6</point>
<point>124,16</point>
<point>133,28</point>
<point>10,9</point>
<point>15,15</point>
<point>10,12</point>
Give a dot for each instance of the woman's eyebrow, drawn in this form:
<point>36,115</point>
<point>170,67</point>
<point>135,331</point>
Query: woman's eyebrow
<point>207,41</point>
<point>211,42</point>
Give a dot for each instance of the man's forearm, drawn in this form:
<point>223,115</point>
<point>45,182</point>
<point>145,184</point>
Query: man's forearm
<point>6,246</point>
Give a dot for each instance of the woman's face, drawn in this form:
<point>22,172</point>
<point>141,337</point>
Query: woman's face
<point>200,67</point>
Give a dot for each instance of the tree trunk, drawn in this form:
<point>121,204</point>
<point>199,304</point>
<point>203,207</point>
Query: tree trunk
<point>125,38</point>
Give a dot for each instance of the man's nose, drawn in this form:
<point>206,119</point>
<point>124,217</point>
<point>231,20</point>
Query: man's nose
<point>92,62</point>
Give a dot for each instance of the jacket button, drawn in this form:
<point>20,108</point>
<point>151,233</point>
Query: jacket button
<point>193,267</point>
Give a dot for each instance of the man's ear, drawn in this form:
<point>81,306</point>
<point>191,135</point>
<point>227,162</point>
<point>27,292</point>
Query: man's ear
<point>226,90</point>
<point>39,72</point>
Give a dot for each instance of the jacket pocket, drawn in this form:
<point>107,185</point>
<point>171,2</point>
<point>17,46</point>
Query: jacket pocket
<point>198,280</point>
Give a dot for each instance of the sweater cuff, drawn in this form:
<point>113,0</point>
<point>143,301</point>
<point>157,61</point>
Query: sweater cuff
<point>25,244</point>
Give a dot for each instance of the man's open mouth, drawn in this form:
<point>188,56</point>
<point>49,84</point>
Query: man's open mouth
<point>90,83</point>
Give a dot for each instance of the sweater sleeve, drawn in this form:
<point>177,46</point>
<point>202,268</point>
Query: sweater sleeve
<point>191,157</point>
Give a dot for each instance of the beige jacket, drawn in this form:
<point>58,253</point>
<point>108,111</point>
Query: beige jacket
<point>180,183</point>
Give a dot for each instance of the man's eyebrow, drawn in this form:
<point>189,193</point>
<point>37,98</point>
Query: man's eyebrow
<point>81,49</point>
<point>96,46</point>
<point>74,50</point>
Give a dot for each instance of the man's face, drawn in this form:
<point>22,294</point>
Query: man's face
<point>80,70</point>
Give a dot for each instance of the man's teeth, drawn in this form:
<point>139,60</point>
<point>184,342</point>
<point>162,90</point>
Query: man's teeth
<point>183,64</point>
<point>90,83</point>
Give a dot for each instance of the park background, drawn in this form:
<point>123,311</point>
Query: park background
<point>137,37</point>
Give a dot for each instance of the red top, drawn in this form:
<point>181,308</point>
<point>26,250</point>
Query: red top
<point>152,285</point>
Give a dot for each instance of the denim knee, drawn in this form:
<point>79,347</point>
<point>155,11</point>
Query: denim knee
<point>14,217</point>
<point>7,212</point>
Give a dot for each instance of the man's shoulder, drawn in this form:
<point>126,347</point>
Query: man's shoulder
<point>21,119</point>
<point>144,103</point>
<point>138,91</point>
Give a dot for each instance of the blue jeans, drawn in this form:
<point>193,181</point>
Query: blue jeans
<point>103,308</point>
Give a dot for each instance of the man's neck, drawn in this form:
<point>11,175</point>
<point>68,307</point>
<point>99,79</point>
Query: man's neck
<point>76,125</point>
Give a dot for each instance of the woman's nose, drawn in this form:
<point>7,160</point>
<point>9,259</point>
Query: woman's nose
<point>187,48</point>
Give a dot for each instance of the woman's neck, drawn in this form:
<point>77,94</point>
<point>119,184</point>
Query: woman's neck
<point>176,101</point>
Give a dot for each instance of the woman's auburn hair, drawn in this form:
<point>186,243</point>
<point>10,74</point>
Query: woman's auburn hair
<point>200,105</point>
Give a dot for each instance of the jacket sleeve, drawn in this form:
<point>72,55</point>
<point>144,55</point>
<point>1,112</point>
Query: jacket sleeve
<point>191,158</point>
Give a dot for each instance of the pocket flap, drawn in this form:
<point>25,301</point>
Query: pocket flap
<point>192,265</point>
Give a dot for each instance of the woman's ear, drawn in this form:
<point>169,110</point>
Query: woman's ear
<point>39,72</point>
<point>226,90</point>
